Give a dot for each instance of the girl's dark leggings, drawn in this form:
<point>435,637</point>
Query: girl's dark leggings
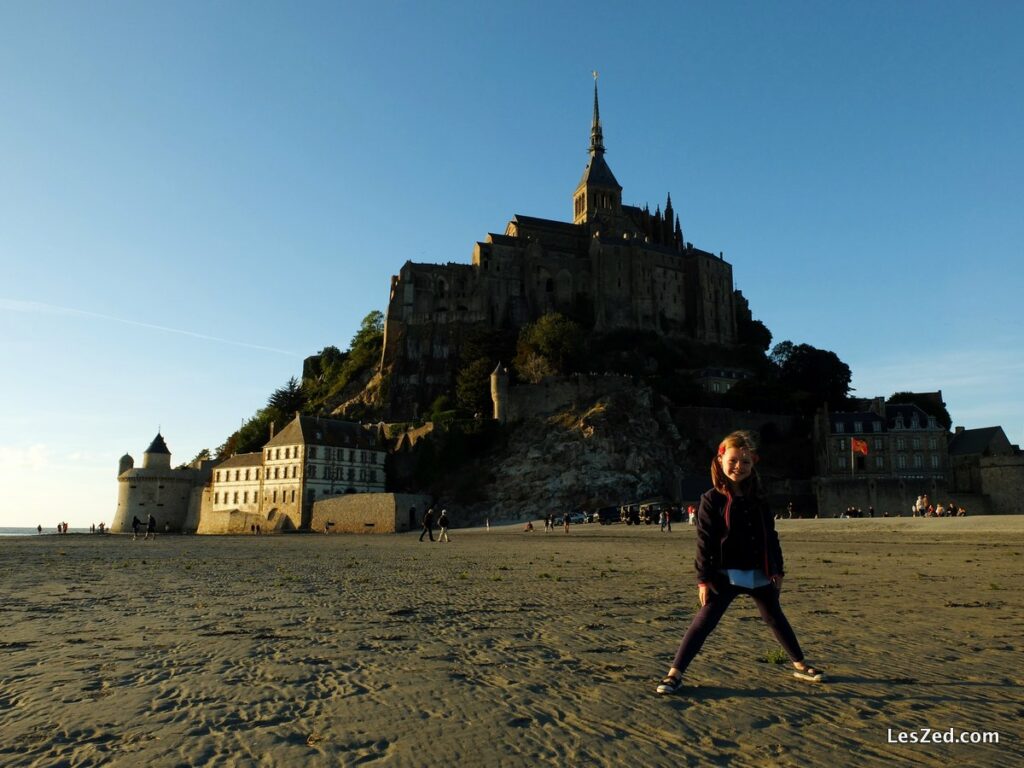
<point>707,618</point>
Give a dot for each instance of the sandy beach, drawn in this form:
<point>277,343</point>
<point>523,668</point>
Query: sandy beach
<point>506,649</point>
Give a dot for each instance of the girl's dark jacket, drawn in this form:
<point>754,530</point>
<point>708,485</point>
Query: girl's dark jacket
<point>713,531</point>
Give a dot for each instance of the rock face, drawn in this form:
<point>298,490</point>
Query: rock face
<point>618,448</point>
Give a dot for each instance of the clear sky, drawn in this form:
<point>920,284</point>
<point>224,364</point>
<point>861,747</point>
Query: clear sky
<point>195,196</point>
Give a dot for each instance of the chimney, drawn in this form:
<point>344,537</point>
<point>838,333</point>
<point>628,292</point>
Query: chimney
<point>959,430</point>
<point>272,430</point>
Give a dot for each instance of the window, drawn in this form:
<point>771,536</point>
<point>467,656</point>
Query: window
<point>901,444</point>
<point>238,475</point>
<point>218,476</point>
<point>351,473</point>
<point>277,453</point>
<point>932,443</point>
<point>839,428</point>
<point>287,453</point>
<point>858,426</point>
<point>311,452</point>
<point>216,498</point>
<point>935,462</point>
<point>275,496</point>
<point>351,455</point>
<point>932,423</point>
<point>918,461</point>
<point>311,471</point>
<point>293,495</point>
<point>245,497</point>
<point>247,474</point>
<point>257,474</point>
<point>878,443</point>
<point>235,500</point>
<point>878,426</point>
<point>276,470</point>
<point>842,444</point>
<point>842,462</point>
<point>901,461</point>
<point>916,443</point>
<point>879,462</point>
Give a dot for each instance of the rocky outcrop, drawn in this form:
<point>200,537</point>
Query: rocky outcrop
<point>620,447</point>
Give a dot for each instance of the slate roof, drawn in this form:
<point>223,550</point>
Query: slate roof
<point>974,441</point>
<point>907,410</point>
<point>534,222</point>
<point>598,173</point>
<point>158,445</point>
<point>242,460</point>
<point>847,419</point>
<point>310,430</point>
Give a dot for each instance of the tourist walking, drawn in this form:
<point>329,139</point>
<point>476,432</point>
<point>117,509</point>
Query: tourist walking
<point>738,553</point>
<point>442,523</point>
<point>661,519</point>
<point>428,524</point>
<point>136,524</point>
<point>150,528</point>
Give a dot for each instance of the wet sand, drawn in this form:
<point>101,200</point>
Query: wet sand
<point>505,649</point>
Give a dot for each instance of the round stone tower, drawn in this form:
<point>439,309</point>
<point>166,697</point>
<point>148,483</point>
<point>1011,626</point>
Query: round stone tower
<point>153,489</point>
<point>499,393</point>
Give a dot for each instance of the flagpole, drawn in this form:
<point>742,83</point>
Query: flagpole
<point>851,459</point>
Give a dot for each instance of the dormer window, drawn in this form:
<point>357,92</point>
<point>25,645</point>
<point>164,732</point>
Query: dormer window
<point>932,423</point>
<point>858,426</point>
<point>839,428</point>
<point>878,426</point>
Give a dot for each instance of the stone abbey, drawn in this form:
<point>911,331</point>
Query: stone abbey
<point>613,266</point>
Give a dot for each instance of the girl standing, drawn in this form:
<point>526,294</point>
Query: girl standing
<point>738,553</point>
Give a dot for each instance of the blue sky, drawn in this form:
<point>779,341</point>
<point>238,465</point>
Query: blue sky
<point>195,196</point>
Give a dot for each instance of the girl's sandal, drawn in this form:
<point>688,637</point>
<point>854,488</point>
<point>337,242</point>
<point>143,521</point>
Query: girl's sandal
<point>809,673</point>
<point>670,685</point>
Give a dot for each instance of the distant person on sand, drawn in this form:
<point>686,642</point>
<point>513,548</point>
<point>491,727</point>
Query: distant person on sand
<point>442,523</point>
<point>565,522</point>
<point>738,553</point>
<point>528,527</point>
<point>39,529</point>
<point>150,528</point>
<point>428,524</point>
<point>136,524</point>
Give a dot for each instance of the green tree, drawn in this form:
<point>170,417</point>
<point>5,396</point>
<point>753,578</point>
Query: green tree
<point>816,375</point>
<point>473,387</point>
<point>289,398</point>
<point>553,344</point>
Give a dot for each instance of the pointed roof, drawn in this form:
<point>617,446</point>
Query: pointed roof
<point>597,172</point>
<point>158,445</point>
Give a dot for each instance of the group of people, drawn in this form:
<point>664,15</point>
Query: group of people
<point>428,524</point>
<point>150,527</point>
<point>922,507</point>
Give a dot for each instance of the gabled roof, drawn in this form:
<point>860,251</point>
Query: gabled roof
<point>976,441</point>
<point>158,445</point>
<point>310,430</point>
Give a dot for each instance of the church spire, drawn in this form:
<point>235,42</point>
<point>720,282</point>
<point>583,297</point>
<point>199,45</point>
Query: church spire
<point>596,135</point>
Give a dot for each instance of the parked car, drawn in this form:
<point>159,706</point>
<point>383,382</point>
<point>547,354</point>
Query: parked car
<point>576,517</point>
<point>605,515</point>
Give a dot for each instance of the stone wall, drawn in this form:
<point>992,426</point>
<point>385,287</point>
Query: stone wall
<point>369,513</point>
<point>889,495</point>
<point>163,493</point>
<point>1002,479</point>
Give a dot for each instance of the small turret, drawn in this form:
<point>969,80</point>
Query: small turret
<point>499,393</point>
<point>125,463</point>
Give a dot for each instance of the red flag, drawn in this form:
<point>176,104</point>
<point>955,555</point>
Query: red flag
<point>859,446</point>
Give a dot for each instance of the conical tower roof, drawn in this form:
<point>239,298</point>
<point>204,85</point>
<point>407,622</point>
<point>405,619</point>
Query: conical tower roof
<point>158,445</point>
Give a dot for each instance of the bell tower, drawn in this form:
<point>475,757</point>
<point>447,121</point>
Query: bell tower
<point>598,196</point>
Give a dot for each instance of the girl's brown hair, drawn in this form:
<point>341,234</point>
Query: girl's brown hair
<point>739,439</point>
